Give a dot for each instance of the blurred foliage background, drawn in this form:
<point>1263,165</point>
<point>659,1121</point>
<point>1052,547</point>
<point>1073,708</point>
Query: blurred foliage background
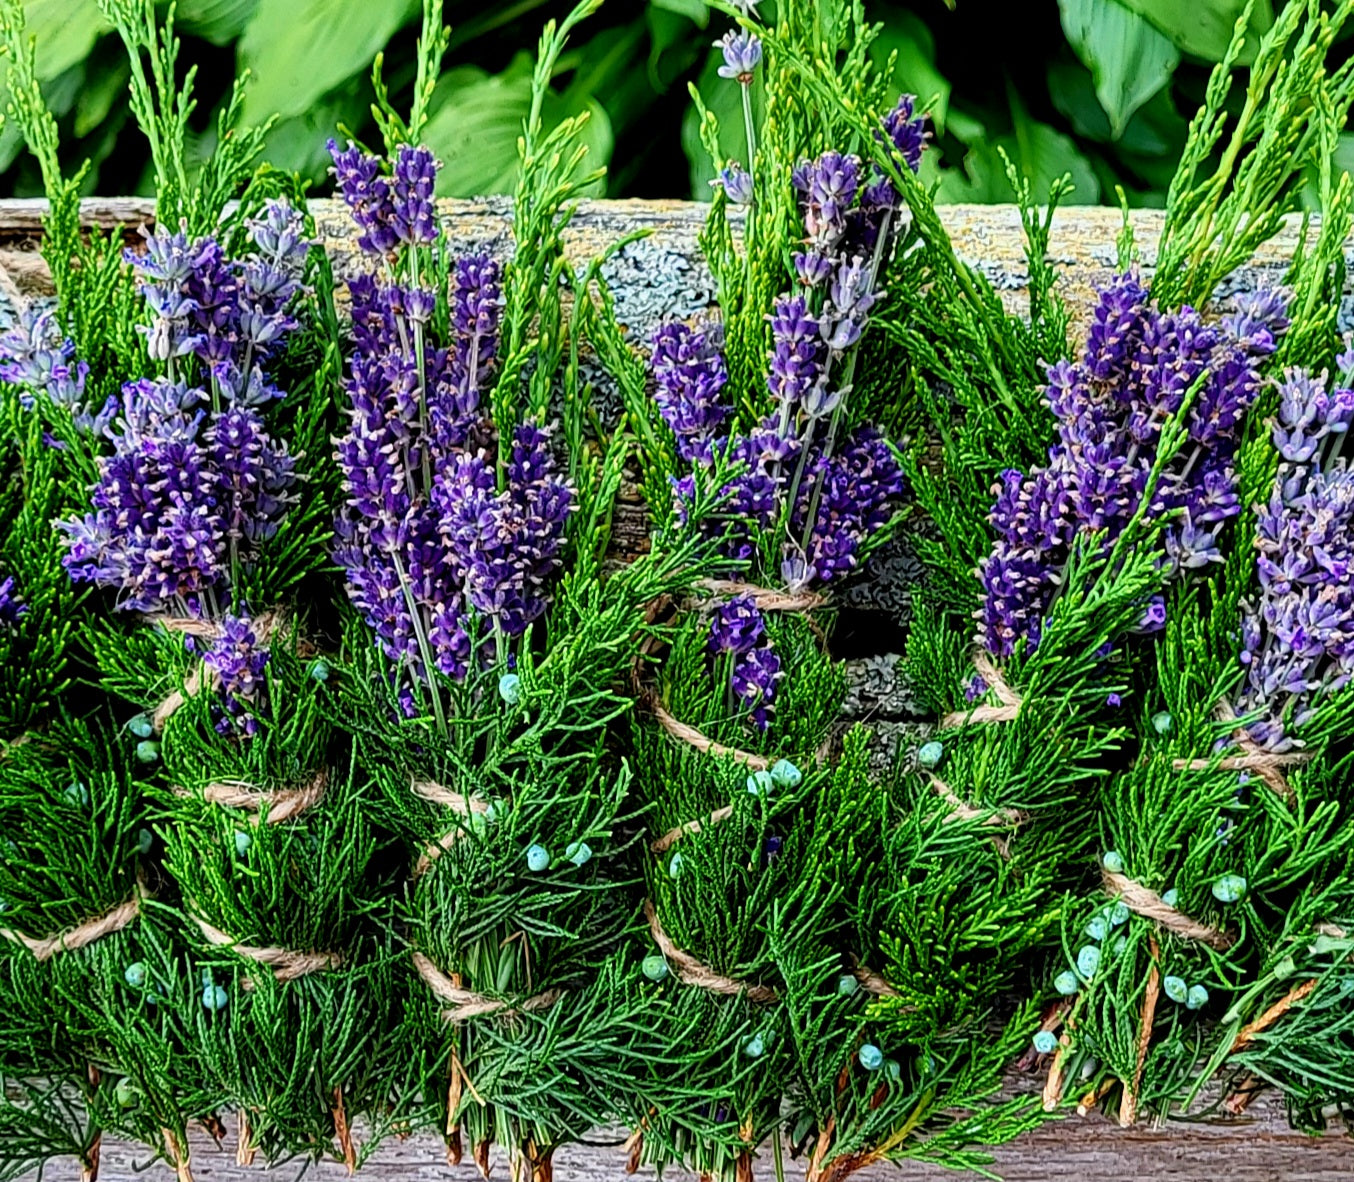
<point>1100,89</point>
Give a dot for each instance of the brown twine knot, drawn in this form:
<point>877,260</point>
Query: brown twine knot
<point>264,626</point>
<point>44,948</point>
<point>692,972</point>
<point>1008,711</point>
<point>960,810</point>
<point>281,804</point>
<point>1147,903</point>
<point>673,836</point>
<point>466,1004</point>
<point>286,964</point>
<point>458,802</point>
<point>1267,766</point>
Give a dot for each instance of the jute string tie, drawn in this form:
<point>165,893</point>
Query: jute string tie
<point>286,965</point>
<point>1147,903</point>
<point>465,1004</point>
<point>692,972</point>
<point>1007,711</point>
<point>1266,766</point>
<point>81,936</point>
<point>278,805</point>
<point>458,802</point>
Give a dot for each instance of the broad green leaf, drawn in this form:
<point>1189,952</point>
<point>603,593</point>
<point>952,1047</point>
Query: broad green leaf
<point>1202,28</point>
<point>298,144</point>
<point>65,31</point>
<point>1039,151</point>
<point>300,50</point>
<point>696,10</point>
<point>477,119</point>
<point>217,21</point>
<point>1129,58</point>
<point>1156,129</point>
<point>905,34</point>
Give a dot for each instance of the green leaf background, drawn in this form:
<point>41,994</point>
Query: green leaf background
<point>1088,88</point>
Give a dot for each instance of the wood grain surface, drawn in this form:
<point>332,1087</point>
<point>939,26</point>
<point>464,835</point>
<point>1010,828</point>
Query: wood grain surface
<point>655,278</point>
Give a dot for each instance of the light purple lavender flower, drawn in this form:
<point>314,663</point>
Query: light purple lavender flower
<point>12,606</point>
<point>37,357</point>
<point>742,55</point>
<point>1298,639</point>
<point>690,376</point>
<point>736,182</point>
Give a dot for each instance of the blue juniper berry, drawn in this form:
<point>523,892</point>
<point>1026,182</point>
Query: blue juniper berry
<point>443,544</point>
<point>1138,366</point>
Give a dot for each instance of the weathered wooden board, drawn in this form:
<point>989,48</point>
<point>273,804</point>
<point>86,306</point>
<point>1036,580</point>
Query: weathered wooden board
<point>662,276</point>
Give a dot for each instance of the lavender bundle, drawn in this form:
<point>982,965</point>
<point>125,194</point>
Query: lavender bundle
<point>764,834</point>
<point>487,644</point>
<point>1242,871</point>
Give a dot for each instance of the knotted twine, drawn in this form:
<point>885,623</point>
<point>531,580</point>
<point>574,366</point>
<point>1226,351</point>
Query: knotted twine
<point>286,964</point>
<point>466,1004</point>
<point>1147,903</point>
<point>1007,711</point>
<point>264,627</point>
<point>1266,765</point>
<point>277,805</point>
<point>466,806</point>
<point>84,934</point>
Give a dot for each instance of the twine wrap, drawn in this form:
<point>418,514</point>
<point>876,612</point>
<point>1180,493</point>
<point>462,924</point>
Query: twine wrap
<point>763,598</point>
<point>1141,901</point>
<point>1008,711</point>
<point>1267,766</point>
<point>961,811</point>
<point>692,972</point>
<point>83,935</point>
<point>435,793</point>
<point>673,836</point>
<point>285,964</point>
<point>466,1004</point>
<point>282,804</point>
<point>264,626</point>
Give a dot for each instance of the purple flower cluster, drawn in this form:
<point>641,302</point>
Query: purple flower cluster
<point>185,496</point>
<point>12,606</point>
<point>437,542</point>
<point>738,629</point>
<point>1138,366</point>
<point>1297,642</point>
<point>236,660</point>
<point>231,314</point>
<point>392,211</point>
<point>36,357</point>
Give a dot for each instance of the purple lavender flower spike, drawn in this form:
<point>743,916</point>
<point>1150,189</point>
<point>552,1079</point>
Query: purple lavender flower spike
<point>907,131</point>
<point>1297,643</point>
<point>742,55</point>
<point>237,660</point>
<point>1138,367</point>
<point>736,182</point>
<point>690,377</point>
<point>12,606</point>
<point>413,216</point>
<point>368,194</point>
<point>828,188</point>
<point>738,628</point>
<point>36,357</point>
